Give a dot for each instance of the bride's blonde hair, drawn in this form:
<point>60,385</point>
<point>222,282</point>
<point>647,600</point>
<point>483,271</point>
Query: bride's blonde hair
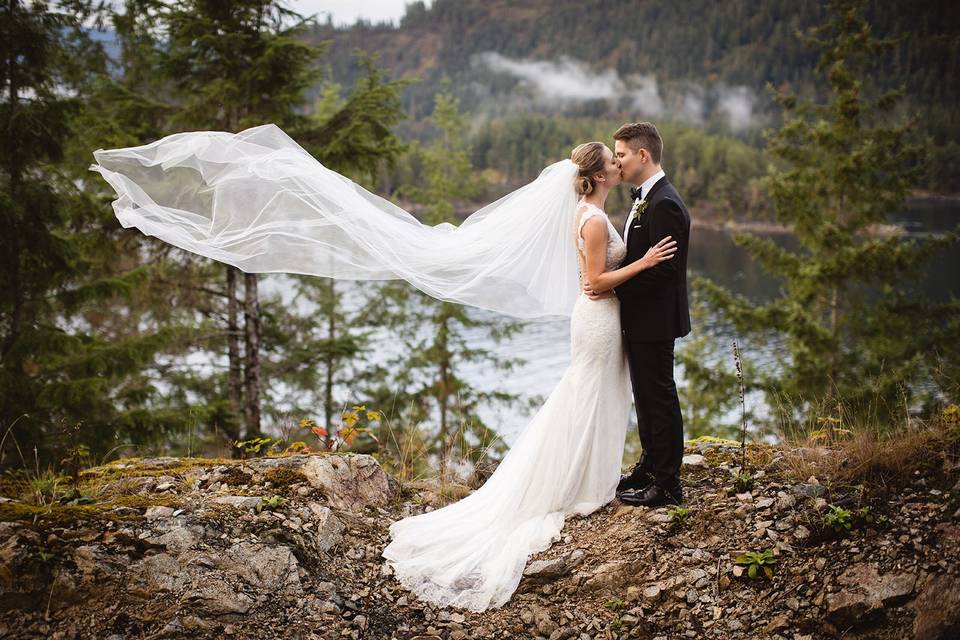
<point>589,157</point>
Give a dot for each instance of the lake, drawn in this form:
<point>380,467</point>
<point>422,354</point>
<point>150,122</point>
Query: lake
<point>544,344</point>
<point>714,254</point>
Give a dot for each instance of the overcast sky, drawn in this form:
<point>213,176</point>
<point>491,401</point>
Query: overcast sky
<point>349,11</point>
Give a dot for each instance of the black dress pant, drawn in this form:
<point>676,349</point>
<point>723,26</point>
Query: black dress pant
<point>658,408</point>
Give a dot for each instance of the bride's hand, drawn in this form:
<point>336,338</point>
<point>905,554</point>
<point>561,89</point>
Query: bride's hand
<point>659,252</point>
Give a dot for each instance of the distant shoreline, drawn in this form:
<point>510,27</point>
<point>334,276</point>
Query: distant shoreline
<point>715,223</point>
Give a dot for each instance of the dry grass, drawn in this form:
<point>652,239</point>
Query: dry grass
<point>877,460</point>
<point>408,455</point>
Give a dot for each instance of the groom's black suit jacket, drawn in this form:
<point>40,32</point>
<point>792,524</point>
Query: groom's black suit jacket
<point>653,304</point>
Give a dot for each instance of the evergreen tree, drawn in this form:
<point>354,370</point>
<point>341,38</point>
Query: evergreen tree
<point>853,331</point>
<point>430,373</point>
<point>327,346</point>
<point>236,65</point>
<point>58,372</point>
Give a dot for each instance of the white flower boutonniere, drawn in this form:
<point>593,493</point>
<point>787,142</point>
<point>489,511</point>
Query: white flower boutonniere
<point>639,206</point>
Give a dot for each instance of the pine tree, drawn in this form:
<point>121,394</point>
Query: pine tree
<point>151,93</point>
<point>431,372</point>
<point>853,331</point>
<point>328,346</point>
<point>236,65</point>
<point>58,372</point>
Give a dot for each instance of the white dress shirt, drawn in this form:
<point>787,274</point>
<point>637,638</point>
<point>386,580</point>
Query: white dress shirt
<point>644,190</point>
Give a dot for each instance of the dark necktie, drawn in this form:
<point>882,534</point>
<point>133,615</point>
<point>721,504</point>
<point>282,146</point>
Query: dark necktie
<point>636,192</point>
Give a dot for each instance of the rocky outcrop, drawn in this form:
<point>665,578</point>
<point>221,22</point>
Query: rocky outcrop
<point>866,592</point>
<point>290,547</point>
<point>938,608</point>
<point>348,482</point>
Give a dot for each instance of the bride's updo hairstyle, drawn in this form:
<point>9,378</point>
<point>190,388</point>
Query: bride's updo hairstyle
<point>589,157</point>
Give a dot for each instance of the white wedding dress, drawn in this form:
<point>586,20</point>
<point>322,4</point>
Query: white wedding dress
<point>472,553</point>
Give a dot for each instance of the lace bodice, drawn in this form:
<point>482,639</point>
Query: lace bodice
<point>616,249</point>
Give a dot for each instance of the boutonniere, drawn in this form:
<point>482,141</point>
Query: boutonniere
<point>639,206</point>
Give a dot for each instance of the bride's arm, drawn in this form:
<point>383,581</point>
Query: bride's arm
<point>595,234</point>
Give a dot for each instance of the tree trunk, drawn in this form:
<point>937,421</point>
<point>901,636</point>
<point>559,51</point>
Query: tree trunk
<point>443,389</point>
<point>13,169</point>
<point>235,379</point>
<point>331,362</point>
<point>251,318</point>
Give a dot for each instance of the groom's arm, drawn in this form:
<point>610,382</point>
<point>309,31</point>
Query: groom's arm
<point>668,221</point>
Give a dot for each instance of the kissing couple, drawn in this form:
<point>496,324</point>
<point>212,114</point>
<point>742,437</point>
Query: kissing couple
<point>260,202</point>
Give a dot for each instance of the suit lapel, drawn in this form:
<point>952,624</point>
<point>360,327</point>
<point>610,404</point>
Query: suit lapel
<point>656,187</point>
<point>638,224</point>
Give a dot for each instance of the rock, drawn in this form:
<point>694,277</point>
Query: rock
<point>801,533</point>
<point>179,539</point>
<point>694,460</point>
<point>160,572</point>
<point>937,608</point>
<point>546,570</point>
<point>779,623</point>
<point>652,592</point>
<point>542,621</point>
<point>329,527</point>
<point>239,502</point>
<point>215,595</point>
<point>269,568</point>
<point>866,592</point>
<point>350,481</point>
<point>809,490</point>
<point>156,513</point>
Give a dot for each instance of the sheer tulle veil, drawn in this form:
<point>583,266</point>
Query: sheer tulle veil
<point>260,202</point>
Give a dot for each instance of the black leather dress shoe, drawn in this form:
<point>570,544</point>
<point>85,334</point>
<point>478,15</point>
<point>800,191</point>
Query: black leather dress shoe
<point>635,480</point>
<point>655,495</point>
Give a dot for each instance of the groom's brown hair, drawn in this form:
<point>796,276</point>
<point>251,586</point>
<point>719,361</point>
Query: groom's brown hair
<point>641,134</point>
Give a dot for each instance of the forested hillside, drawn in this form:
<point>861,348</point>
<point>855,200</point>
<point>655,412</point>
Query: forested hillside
<point>591,58</point>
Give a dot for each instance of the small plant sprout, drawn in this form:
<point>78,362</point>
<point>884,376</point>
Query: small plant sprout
<point>679,516</point>
<point>758,563</point>
<point>838,519</point>
<point>271,503</point>
<point>614,604</point>
<point>743,481</point>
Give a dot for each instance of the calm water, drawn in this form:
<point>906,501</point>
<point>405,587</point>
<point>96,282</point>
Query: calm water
<point>544,345</point>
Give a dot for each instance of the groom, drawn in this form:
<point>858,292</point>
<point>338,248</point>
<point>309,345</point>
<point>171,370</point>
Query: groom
<point>653,314</point>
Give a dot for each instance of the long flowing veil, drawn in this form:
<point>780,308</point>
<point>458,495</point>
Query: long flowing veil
<point>257,200</point>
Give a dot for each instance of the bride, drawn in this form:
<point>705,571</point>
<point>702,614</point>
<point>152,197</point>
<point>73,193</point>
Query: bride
<point>258,201</point>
